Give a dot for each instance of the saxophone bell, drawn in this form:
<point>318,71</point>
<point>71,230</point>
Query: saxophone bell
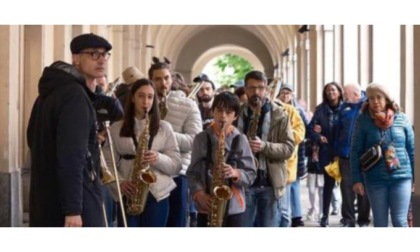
<point>222,192</point>
<point>147,176</point>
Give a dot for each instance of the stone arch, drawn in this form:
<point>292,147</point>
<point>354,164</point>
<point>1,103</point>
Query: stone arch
<point>217,36</point>
<point>211,53</point>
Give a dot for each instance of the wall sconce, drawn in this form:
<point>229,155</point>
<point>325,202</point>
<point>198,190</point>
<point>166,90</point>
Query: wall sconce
<point>285,53</point>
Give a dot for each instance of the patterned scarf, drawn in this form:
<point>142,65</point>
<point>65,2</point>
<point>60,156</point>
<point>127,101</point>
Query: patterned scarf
<point>383,120</point>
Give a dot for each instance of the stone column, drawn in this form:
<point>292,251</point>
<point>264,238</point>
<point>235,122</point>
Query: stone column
<point>416,79</point>
<point>10,88</point>
<point>62,38</point>
<point>316,59</point>
<point>365,55</point>
<point>338,54</point>
<point>117,51</point>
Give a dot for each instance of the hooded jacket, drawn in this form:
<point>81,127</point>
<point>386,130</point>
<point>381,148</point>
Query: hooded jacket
<point>62,138</point>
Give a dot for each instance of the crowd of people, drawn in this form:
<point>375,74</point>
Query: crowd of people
<point>198,157</point>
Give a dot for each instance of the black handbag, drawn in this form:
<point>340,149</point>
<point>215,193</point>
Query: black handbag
<point>371,157</point>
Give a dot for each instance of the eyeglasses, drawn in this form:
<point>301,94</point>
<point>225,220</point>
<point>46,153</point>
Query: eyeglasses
<point>95,55</point>
<point>256,88</point>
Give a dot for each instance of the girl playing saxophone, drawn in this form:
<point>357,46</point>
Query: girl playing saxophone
<point>161,155</point>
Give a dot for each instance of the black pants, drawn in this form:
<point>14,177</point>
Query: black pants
<point>347,207</point>
<point>235,220</point>
<point>329,183</point>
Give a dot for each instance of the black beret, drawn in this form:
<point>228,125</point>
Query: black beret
<point>88,40</point>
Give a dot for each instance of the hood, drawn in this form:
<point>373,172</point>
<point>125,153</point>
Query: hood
<point>58,75</point>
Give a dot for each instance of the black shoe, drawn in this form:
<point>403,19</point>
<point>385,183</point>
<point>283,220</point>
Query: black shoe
<point>297,222</point>
<point>324,221</point>
<point>334,212</point>
<point>363,224</point>
<point>349,224</point>
<point>193,219</point>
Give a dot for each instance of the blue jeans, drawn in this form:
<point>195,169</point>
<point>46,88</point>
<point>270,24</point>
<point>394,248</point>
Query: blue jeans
<point>284,208</point>
<point>155,214</point>
<point>387,196</point>
<point>109,205</point>
<point>261,207</point>
<point>178,202</point>
<point>295,204</point>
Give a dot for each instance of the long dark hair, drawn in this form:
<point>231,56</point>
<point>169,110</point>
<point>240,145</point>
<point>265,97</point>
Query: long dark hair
<point>324,92</point>
<point>127,128</point>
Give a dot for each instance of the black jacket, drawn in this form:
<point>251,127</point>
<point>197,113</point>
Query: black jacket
<point>62,138</point>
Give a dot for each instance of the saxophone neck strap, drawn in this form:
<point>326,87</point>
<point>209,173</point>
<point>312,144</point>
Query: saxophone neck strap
<point>136,143</point>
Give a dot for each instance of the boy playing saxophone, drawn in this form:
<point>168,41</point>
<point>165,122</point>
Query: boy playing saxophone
<point>231,168</point>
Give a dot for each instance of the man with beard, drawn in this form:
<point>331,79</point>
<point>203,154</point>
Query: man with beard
<point>182,113</point>
<point>272,145</point>
<point>205,99</point>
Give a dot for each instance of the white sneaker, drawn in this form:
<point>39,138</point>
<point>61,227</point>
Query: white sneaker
<point>310,216</point>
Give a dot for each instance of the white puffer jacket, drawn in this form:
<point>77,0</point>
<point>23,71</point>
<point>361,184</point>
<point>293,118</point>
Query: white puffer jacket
<point>168,161</point>
<point>185,119</point>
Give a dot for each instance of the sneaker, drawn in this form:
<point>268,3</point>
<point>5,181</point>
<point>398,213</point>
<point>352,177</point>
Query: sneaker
<point>310,216</point>
<point>334,212</point>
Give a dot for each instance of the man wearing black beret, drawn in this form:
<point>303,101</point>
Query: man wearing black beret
<point>65,189</point>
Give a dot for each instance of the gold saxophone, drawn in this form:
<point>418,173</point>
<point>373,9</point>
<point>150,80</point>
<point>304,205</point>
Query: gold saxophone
<point>141,175</point>
<point>221,192</point>
<point>163,107</point>
<point>253,125</point>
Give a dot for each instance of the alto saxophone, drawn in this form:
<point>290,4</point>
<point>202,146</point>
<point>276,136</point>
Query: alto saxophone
<point>221,192</point>
<point>141,175</point>
<point>163,107</point>
<point>253,125</point>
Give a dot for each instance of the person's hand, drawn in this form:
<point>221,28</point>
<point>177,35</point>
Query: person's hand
<point>73,221</point>
<point>323,140</point>
<point>127,188</point>
<point>317,128</point>
<point>255,144</point>
<point>359,189</point>
<point>230,172</point>
<point>150,157</point>
<point>101,137</point>
<point>203,201</point>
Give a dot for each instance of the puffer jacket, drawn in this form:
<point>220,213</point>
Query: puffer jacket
<point>366,134</point>
<point>168,161</point>
<point>185,119</point>
<point>344,125</point>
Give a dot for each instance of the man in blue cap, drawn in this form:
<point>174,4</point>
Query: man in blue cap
<point>65,189</point>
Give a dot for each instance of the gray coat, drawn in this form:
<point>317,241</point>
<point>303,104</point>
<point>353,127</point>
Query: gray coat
<point>278,147</point>
<point>241,157</point>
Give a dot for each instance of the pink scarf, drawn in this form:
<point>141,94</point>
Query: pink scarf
<point>383,120</point>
